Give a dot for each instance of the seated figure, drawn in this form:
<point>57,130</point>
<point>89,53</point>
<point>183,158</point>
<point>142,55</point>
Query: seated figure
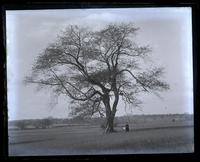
<point>127,127</point>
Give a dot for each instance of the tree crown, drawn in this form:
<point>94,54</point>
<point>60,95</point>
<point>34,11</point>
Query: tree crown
<point>88,65</point>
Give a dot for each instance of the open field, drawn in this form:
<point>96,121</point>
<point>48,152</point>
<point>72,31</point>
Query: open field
<point>149,138</point>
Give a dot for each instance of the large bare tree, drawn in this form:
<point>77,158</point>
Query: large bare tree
<point>96,69</point>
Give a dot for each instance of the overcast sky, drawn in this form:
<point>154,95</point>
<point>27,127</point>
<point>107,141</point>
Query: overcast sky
<point>167,30</point>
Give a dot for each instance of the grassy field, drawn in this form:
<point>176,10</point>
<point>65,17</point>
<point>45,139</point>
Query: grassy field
<point>77,140</point>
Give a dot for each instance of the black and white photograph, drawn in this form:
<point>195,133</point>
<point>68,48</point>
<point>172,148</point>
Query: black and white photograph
<point>100,81</point>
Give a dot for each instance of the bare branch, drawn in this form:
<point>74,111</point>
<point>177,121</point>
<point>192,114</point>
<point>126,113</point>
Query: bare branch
<point>142,84</point>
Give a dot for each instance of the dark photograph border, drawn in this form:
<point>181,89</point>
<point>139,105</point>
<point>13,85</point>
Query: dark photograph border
<point>35,5</point>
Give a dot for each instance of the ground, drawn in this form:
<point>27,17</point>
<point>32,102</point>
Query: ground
<point>171,137</point>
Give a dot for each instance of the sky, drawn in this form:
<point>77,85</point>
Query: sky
<point>168,31</point>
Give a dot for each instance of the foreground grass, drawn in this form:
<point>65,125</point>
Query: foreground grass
<point>91,140</point>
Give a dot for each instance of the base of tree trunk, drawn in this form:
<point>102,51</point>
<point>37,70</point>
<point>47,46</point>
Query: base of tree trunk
<point>109,130</point>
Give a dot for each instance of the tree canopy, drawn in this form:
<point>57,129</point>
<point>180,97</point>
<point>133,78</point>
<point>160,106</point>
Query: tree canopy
<point>94,67</point>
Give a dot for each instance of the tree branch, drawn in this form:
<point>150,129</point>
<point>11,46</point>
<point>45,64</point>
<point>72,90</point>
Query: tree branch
<point>73,97</point>
<point>126,70</point>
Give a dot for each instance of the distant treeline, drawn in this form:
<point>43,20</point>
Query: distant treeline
<point>56,122</point>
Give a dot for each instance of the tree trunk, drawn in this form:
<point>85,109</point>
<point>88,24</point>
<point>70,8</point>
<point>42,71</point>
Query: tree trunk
<point>110,116</point>
<point>109,124</point>
<point>110,113</point>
